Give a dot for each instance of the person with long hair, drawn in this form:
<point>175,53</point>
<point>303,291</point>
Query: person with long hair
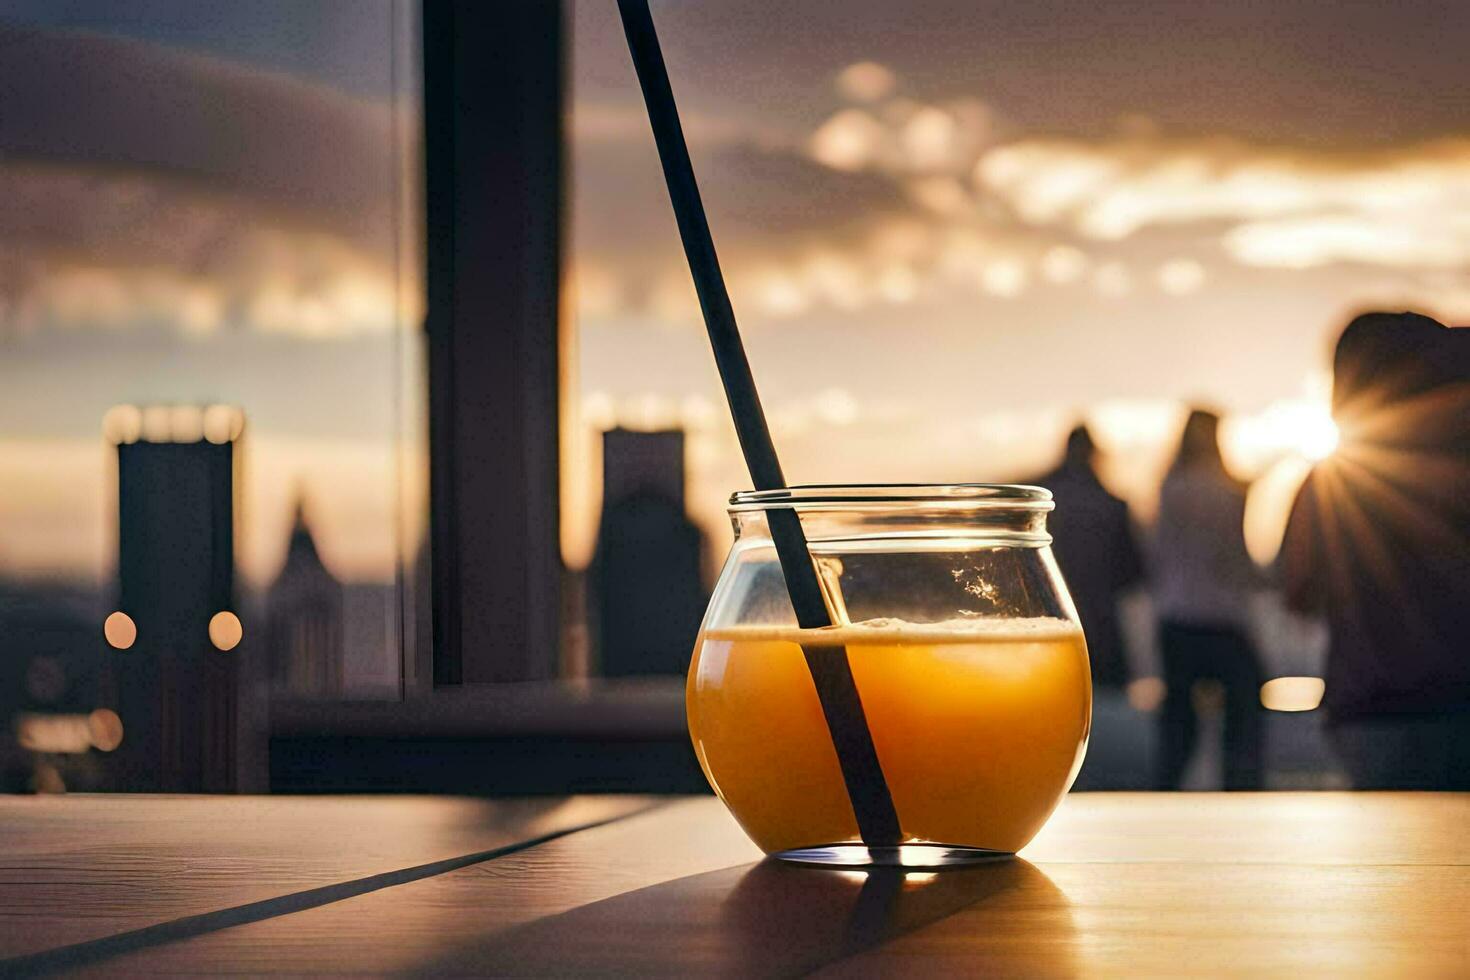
<point>1203,578</point>
<point>1379,544</point>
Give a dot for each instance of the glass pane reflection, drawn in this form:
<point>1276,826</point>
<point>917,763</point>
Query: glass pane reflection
<point>207,244</point>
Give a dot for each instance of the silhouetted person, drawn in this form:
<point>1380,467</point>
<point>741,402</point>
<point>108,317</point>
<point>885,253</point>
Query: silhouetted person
<point>1379,542</point>
<point>1203,578</point>
<point>1094,545</point>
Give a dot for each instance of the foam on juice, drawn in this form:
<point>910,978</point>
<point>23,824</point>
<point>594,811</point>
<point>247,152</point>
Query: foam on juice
<point>891,632</point>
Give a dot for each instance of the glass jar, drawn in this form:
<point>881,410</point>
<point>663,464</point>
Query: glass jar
<point>966,654</point>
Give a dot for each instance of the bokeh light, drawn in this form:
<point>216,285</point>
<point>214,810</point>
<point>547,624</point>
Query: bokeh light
<point>1146,693</point>
<point>1292,693</point>
<point>847,141</point>
<point>185,423</point>
<point>866,81</point>
<point>120,630</point>
<point>122,425</point>
<point>105,728</point>
<point>225,630</point>
<point>1317,436</point>
<point>56,734</point>
<point>222,423</point>
<point>158,424</point>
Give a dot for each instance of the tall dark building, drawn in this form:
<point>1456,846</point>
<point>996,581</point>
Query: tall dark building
<point>646,593</point>
<point>643,462</point>
<point>177,680</point>
<point>305,621</point>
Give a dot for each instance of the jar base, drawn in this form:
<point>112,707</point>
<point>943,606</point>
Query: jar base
<point>918,857</point>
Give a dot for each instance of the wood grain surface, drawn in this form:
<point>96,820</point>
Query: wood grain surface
<point>79,868</point>
<point>1117,884</point>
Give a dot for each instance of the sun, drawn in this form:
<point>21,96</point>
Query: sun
<point>1315,435</point>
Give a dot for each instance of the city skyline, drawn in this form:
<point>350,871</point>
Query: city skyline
<point>949,233</point>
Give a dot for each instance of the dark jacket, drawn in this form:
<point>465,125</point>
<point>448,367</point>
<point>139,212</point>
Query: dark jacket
<point>1095,549</point>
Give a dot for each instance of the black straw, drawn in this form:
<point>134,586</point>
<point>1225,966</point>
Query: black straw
<point>831,673</point>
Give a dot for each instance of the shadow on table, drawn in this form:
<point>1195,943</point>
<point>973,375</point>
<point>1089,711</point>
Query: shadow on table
<point>773,919</point>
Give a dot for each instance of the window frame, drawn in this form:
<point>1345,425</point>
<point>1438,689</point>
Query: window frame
<point>493,179</point>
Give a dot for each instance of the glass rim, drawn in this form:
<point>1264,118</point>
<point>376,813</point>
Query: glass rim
<point>851,496</point>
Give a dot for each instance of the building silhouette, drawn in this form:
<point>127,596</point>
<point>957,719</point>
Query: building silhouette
<point>646,594</point>
<point>304,621</point>
<point>177,688</point>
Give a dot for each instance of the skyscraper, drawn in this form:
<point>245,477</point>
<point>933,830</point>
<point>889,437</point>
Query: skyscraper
<point>646,592</point>
<point>643,462</point>
<point>177,679</point>
<point>305,620</point>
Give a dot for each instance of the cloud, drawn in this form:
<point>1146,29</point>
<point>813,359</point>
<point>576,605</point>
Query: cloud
<point>850,140</point>
<point>122,106</point>
<point>866,81</point>
<point>1418,240</point>
<point>117,252</point>
<point>146,187</point>
<point>900,136</point>
<point>873,206</point>
<point>896,199</point>
<point>1407,206</point>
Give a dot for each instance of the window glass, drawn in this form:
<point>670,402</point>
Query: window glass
<point>951,232</point>
<point>209,241</point>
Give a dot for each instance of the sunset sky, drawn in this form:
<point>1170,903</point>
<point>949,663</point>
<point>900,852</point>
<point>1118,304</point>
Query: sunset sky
<point>204,204</point>
<point>950,230</point>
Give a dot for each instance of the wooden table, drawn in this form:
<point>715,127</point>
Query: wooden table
<point>1117,884</point>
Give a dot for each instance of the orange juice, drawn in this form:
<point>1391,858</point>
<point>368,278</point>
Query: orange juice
<point>980,726</point>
